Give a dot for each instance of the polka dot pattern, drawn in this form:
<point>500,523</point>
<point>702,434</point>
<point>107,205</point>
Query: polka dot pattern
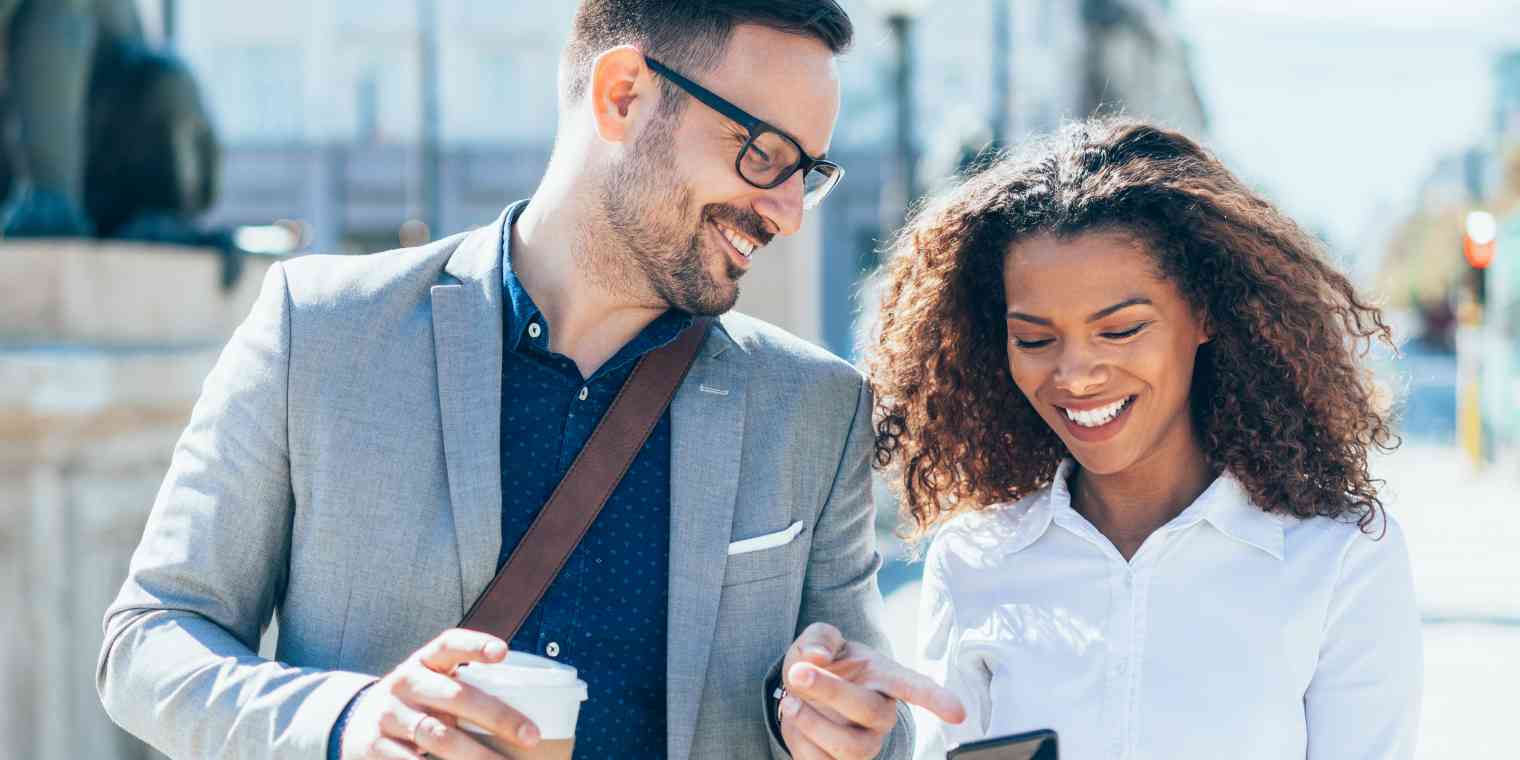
<point>605,613</point>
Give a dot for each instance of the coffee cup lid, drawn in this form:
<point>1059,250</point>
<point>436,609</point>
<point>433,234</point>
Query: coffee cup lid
<point>523,669</point>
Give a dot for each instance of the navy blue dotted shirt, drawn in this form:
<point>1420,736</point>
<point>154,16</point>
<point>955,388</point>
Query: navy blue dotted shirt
<point>605,613</point>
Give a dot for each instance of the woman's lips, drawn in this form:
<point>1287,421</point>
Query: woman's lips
<point>1101,432</point>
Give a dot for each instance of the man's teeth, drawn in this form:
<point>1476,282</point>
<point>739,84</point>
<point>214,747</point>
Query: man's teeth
<point>739,243</point>
<point>1096,417</point>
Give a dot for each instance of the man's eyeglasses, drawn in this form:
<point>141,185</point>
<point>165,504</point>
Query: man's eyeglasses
<point>770,156</point>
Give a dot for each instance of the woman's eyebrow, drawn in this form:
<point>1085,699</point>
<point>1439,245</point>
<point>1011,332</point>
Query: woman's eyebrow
<point>1097,315</point>
<point>1029,318</point>
<point>1125,304</point>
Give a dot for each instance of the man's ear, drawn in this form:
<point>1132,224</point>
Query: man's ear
<point>621,88</point>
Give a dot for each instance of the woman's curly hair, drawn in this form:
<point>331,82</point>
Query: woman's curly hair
<point>1279,395</point>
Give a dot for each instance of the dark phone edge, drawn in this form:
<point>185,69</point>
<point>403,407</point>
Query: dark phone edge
<point>1000,742</point>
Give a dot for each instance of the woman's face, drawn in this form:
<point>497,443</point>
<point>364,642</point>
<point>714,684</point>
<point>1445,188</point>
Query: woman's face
<point>1102,347</point>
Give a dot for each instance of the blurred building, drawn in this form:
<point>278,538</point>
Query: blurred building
<point>320,102</point>
<point>1507,97</point>
<point>1501,382</point>
<point>1425,268</point>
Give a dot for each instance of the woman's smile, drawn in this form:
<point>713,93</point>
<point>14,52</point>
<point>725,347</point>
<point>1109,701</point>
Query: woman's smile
<point>1091,423</point>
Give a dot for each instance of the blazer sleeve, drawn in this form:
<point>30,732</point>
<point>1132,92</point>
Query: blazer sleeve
<point>840,588</point>
<point>1364,698</point>
<point>178,667</point>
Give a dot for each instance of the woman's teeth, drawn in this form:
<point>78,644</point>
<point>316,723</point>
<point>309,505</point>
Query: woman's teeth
<point>740,244</point>
<point>1100,416</point>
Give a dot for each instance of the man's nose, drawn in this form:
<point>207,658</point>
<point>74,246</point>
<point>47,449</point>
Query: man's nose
<point>781,205</point>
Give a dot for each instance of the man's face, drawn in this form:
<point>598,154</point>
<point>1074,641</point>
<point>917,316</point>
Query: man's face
<point>677,201</point>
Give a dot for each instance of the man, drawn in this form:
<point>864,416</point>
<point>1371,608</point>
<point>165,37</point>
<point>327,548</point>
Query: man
<point>379,433</point>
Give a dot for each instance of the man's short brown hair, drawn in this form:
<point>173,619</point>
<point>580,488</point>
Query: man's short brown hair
<point>688,35</point>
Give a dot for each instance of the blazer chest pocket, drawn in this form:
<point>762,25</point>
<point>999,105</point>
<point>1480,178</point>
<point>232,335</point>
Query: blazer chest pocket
<point>767,556</point>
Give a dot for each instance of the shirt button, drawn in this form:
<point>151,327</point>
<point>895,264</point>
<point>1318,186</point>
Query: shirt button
<point>584,393</point>
<point>553,649</point>
<point>534,330</point>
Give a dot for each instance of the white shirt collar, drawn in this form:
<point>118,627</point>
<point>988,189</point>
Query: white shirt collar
<point>1225,504</point>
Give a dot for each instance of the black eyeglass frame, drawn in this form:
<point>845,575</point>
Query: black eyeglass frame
<point>756,127</point>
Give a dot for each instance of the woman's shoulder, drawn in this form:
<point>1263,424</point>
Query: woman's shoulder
<point>984,535</point>
<point>1338,534</point>
<point>1346,546</point>
<point>1317,540</point>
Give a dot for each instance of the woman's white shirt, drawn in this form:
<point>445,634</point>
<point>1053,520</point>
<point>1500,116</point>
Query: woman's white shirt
<point>1232,633</point>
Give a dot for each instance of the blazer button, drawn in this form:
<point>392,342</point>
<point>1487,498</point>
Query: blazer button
<point>553,649</point>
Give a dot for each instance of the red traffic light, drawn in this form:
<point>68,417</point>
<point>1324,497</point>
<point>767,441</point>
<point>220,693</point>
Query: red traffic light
<point>1479,239</point>
<point>1478,255</point>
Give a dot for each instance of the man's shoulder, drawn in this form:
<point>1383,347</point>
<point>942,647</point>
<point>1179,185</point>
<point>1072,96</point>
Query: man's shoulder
<point>328,281</point>
<point>777,351</point>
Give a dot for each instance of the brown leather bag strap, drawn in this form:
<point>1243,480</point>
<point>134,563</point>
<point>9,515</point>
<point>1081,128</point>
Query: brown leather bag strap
<point>578,499</point>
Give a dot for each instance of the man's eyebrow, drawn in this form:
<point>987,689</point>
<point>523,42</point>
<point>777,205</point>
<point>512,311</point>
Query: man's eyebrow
<point>1097,315</point>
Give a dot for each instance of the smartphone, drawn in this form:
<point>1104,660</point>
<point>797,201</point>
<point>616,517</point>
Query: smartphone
<point>1033,745</point>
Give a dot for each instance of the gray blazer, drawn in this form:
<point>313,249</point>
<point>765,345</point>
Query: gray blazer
<point>341,470</point>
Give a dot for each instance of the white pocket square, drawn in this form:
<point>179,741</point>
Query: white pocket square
<point>767,541</point>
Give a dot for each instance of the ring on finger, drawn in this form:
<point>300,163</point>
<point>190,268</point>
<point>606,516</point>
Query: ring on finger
<point>416,726</point>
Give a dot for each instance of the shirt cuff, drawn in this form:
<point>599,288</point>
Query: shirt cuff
<point>335,738</point>
<point>772,716</point>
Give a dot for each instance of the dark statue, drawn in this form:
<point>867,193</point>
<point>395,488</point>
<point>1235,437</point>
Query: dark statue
<point>103,135</point>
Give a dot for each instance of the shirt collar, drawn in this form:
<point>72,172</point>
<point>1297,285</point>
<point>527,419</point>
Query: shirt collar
<point>521,312</point>
<point>1225,504</point>
<point>520,309</point>
<point>1228,507</point>
<point>1030,518</point>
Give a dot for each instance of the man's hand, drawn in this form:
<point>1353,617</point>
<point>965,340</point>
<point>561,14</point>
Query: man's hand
<point>842,697</point>
<point>417,707</point>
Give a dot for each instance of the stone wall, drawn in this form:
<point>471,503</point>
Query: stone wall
<point>103,349</point>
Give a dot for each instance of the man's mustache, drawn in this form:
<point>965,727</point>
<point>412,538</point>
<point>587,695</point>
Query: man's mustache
<point>743,220</point>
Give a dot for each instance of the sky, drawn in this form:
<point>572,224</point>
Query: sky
<point>1339,108</point>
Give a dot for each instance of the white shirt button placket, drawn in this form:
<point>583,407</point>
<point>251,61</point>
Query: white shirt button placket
<point>1139,595</point>
<point>1116,686</point>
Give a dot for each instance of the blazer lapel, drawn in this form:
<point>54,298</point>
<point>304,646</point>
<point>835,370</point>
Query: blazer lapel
<point>707,422</point>
<point>467,345</point>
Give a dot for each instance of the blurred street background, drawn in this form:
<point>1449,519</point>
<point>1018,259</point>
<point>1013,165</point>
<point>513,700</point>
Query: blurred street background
<point>1389,128</point>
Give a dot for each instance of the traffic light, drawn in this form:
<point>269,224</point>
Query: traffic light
<point>1478,240</point>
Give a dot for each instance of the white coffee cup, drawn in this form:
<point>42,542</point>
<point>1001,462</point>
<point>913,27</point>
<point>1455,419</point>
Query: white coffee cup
<point>544,691</point>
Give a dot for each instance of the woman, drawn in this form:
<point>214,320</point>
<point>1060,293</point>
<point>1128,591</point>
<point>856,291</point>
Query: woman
<point>1123,392</point>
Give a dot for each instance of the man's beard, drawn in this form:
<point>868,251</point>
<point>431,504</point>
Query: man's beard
<point>649,210</point>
